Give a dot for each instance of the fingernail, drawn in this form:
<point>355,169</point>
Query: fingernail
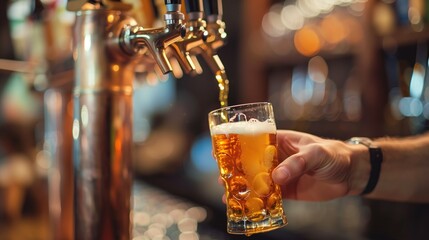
<point>281,174</point>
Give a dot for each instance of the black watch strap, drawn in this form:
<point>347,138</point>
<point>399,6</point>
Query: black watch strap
<point>376,159</point>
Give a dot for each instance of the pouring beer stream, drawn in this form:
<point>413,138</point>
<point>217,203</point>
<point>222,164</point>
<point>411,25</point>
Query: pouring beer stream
<point>215,40</point>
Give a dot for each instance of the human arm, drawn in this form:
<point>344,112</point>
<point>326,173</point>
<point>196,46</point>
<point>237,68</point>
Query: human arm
<point>317,169</point>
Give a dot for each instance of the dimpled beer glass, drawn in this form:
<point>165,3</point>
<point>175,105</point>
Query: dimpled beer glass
<point>245,148</point>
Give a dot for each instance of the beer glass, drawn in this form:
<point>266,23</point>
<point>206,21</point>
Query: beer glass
<point>245,147</point>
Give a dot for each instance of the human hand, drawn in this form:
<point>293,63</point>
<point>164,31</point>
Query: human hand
<point>312,168</point>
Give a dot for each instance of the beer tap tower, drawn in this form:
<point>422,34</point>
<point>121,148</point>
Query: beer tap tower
<point>216,36</point>
<point>107,46</point>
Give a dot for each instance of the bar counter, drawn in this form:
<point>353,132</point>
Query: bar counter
<point>159,212</point>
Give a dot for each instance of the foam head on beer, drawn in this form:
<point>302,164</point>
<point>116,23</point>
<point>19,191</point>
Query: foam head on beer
<point>252,126</point>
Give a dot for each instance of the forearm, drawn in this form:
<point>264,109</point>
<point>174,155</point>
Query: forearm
<point>404,173</point>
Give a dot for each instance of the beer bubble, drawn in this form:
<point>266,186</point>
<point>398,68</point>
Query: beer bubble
<point>254,209</point>
<point>253,120</point>
<point>235,211</point>
<point>239,187</point>
<point>262,184</point>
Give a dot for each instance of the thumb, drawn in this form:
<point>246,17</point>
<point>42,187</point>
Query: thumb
<point>295,166</point>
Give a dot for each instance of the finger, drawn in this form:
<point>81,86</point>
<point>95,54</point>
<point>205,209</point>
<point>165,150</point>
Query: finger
<point>309,159</point>
<point>296,138</point>
<point>221,181</point>
<point>290,168</point>
<point>285,148</point>
<point>290,135</point>
<point>289,190</point>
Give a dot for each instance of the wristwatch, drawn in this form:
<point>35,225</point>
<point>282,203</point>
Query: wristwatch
<point>376,158</point>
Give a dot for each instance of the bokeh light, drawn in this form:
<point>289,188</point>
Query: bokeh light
<point>292,17</point>
<point>333,29</point>
<point>307,41</point>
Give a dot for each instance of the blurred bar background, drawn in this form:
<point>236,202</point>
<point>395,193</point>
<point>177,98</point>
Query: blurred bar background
<point>335,68</point>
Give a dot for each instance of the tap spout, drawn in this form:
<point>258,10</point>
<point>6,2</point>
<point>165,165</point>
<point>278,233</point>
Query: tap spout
<point>216,36</point>
<point>196,36</point>
<point>136,39</point>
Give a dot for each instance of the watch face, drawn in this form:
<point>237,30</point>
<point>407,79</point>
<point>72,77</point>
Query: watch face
<point>361,140</point>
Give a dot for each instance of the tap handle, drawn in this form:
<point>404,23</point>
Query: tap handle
<point>213,7</point>
<point>173,5</point>
<point>172,2</point>
<point>37,10</point>
<point>194,6</point>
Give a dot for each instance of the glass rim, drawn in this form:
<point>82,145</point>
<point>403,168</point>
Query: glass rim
<point>222,109</point>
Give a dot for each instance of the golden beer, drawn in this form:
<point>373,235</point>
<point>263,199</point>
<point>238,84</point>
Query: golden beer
<point>223,84</point>
<point>246,153</point>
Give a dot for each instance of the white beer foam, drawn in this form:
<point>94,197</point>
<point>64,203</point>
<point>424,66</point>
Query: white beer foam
<point>252,126</point>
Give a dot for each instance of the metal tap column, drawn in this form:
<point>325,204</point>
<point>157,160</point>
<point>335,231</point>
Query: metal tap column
<point>102,125</point>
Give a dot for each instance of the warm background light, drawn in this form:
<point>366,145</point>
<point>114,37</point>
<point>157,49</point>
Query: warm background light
<point>333,29</point>
<point>307,41</point>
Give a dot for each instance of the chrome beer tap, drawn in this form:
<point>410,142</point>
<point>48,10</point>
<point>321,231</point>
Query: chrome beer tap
<point>215,40</point>
<point>136,39</point>
<point>216,35</point>
<point>108,44</point>
<point>195,37</point>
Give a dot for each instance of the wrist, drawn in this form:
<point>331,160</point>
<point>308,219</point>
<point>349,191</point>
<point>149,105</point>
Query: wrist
<point>360,168</point>
<point>375,160</point>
